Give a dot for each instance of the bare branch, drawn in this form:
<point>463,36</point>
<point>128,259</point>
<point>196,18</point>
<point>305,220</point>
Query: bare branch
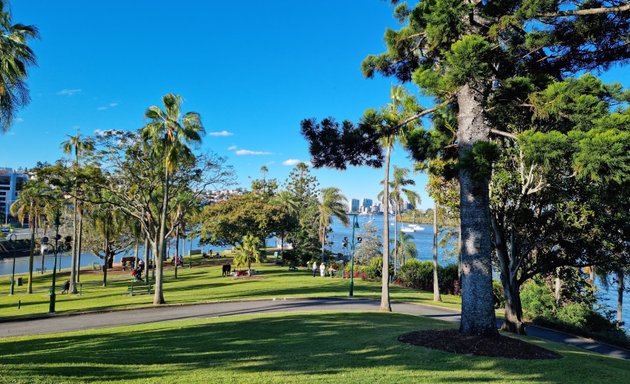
<point>502,133</point>
<point>589,11</point>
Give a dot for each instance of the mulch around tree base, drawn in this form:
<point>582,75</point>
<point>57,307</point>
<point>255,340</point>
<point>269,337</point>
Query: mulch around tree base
<point>494,346</point>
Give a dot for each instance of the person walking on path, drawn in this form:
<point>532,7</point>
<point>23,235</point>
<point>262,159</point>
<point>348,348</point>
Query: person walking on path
<point>314,268</point>
<point>322,269</point>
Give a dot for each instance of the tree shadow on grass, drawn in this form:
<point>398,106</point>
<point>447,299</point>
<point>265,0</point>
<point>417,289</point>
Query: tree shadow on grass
<point>292,346</point>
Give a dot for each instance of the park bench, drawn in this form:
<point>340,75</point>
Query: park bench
<point>139,289</point>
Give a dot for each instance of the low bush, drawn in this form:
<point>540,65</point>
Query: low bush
<point>537,300</point>
<point>419,274</point>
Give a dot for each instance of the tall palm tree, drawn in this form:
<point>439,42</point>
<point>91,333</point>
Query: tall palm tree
<point>30,204</point>
<point>15,57</point>
<point>332,203</point>
<point>397,196</point>
<point>287,204</point>
<point>77,147</point>
<point>406,248</point>
<point>400,104</point>
<point>169,133</point>
<point>247,252</point>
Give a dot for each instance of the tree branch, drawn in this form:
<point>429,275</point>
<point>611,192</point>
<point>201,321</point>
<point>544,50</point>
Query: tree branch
<point>502,133</point>
<point>415,117</point>
<point>588,11</point>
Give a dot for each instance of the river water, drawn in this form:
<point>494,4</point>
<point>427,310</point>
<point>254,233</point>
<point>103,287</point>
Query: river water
<point>423,240</point>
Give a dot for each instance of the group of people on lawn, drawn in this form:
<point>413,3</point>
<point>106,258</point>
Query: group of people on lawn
<point>322,269</point>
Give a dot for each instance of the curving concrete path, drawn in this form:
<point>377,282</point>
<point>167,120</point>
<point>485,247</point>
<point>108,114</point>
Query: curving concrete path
<point>66,323</point>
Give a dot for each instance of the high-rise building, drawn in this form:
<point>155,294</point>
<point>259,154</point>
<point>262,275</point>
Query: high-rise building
<point>367,203</point>
<point>354,207</point>
<point>10,183</point>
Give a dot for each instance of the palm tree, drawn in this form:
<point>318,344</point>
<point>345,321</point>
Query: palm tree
<point>332,204</point>
<point>289,207</point>
<point>169,133</point>
<point>77,147</point>
<point>15,57</point>
<point>406,248</point>
<point>400,104</point>
<point>397,194</point>
<point>29,204</point>
<point>247,252</point>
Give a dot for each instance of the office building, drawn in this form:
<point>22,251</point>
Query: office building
<point>10,183</point>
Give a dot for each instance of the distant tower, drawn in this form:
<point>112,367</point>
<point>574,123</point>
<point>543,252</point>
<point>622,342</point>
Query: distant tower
<point>355,205</point>
<point>367,203</point>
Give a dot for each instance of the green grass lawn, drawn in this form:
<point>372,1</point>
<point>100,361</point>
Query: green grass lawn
<point>283,348</point>
<point>195,285</point>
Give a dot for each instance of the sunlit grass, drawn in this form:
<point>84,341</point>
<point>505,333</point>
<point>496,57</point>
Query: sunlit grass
<point>281,348</point>
<point>194,285</point>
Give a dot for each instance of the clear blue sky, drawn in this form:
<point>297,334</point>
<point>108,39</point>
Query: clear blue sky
<point>254,70</point>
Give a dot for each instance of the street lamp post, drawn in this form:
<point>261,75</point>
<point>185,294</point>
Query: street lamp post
<point>12,237</point>
<point>355,224</point>
<point>53,295</point>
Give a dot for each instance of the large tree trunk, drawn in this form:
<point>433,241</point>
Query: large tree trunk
<point>385,304</point>
<point>436,282</point>
<point>158,298</point>
<point>75,242</point>
<point>513,321</point>
<point>477,299</point>
<point>620,291</point>
<point>80,244</point>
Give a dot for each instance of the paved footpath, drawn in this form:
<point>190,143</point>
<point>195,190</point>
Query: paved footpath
<point>66,323</point>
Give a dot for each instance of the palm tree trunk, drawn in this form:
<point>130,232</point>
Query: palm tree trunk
<point>176,252</point>
<point>31,223</point>
<point>146,259</point>
<point>477,316</point>
<point>385,304</point>
<point>159,256</point>
<point>436,283</point>
<point>396,253</point>
<point>80,244</point>
<point>620,291</point>
<point>75,242</point>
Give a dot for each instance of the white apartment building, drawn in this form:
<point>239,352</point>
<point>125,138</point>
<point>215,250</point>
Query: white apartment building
<point>10,183</point>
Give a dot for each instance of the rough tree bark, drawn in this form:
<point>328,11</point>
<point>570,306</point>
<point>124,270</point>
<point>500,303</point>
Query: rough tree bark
<point>477,298</point>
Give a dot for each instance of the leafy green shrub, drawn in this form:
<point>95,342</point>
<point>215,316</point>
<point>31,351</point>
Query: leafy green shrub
<point>537,300</point>
<point>448,277</point>
<point>419,274</point>
<point>499,295</point>
<point>374,269</point>
<point>416,274</point>
<point>575,314</point>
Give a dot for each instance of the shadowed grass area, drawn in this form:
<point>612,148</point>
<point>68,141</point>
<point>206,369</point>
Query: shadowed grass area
<point>195,285</point>
<point>284,348</point>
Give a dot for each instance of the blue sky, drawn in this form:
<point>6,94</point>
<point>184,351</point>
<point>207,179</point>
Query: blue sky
<point>253,70</point>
